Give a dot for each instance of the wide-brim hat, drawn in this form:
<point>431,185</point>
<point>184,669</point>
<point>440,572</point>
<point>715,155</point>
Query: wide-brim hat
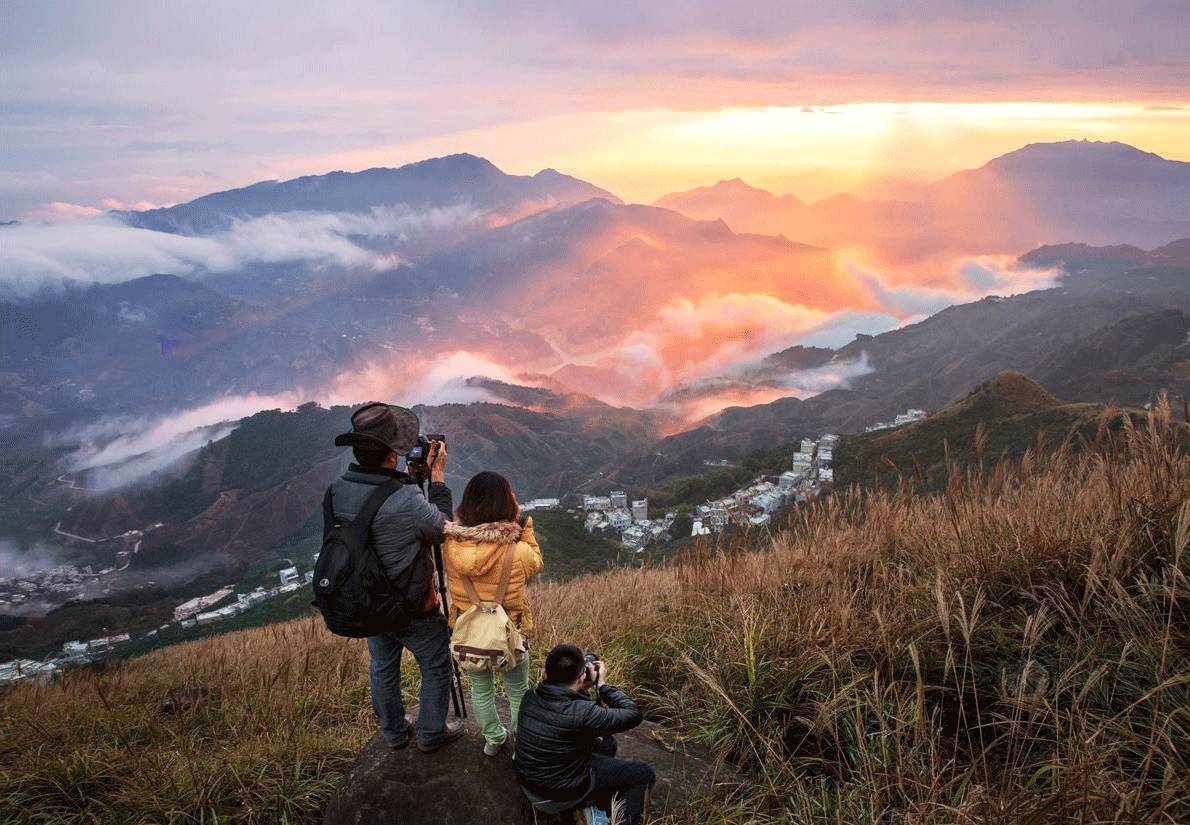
<point>382,425</point>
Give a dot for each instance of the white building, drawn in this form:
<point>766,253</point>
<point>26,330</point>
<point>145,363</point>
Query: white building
<point>640,509</point>
<point>72,649</point>
<point>807,446</point>
<point>204,619</point>
<point>634,538</point>
<point>802,461</point>
<point>825,455</point>
<point>540,504</point>
<point>716,517</point>
<point>789,480</point>
<point>759,520</point>
<point>189,608</point>
<point>596,503</point>
<point>829,440</point>
<point>106,643</point>
<point>770,502</point>
<point>697,529</point>
<point>619,519</point>
<point>826,474</point>
<point>287,575</point>
<point>619,498</point>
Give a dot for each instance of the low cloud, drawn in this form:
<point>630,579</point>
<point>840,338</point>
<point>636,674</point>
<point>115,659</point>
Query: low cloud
<point>967,279</point>
<point>699,399</point>
<point>17,559</point>
<point>103,249</point>
<point>119,451</point>
<point>414,378</point>
<point>717,339</point>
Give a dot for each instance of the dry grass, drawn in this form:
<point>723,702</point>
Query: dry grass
<point>1014,650</point>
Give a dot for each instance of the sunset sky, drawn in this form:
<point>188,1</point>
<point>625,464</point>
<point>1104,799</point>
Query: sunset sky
<point>119,103</point>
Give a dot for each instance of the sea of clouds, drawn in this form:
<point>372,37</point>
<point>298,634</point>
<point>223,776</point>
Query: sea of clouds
<point>104,249</point>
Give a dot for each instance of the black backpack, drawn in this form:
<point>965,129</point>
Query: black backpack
<point>351,590</point>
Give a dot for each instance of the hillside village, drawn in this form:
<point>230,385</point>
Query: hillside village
<point>200,611</point>
<point>613,516</point>
<point>750,506</point>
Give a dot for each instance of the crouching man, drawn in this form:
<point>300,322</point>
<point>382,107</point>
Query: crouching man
<point>565,745</point>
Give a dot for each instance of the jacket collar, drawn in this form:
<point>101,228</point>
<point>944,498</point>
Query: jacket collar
<point>557,692</point>
<point>499,532</point>
<point>374,475</point>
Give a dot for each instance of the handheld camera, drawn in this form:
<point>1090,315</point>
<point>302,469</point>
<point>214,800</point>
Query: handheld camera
<point>420,452</point>
<point>593,660</point>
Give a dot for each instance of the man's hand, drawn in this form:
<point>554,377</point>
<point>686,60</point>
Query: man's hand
<point>437,461</point>
<point>600,673</point>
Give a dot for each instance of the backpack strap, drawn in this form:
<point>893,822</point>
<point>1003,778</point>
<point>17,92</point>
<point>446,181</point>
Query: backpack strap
<point>505,575</point>
<point>375,501</point>
<point>328,511</point>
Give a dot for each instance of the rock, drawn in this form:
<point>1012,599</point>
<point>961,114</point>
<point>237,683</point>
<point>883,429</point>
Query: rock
<point>458,784</point>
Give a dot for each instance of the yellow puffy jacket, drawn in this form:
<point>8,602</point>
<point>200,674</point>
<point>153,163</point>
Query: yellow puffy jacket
<point>478,553</point>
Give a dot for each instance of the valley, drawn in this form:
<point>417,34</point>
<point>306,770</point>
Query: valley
<point>168,435</point>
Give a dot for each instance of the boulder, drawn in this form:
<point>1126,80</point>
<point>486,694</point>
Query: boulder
<point>458,785</point>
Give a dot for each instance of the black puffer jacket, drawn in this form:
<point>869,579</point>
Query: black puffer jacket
<point>556,733</point>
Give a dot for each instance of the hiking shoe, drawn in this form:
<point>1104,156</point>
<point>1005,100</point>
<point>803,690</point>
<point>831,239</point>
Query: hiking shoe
<point>450,733</point>
<point>494,748</point>
<point>403,742</point>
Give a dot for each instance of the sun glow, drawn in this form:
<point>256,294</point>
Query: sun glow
<point>642,154</point>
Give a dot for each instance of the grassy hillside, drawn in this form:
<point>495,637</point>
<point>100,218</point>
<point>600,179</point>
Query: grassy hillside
<point>1016,650</point>
<point>1005,416</point>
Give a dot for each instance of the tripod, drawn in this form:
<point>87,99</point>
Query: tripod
<point>456,685</point>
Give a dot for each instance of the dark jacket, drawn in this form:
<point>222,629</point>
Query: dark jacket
<point>405,525</point>
<point>556,733</point>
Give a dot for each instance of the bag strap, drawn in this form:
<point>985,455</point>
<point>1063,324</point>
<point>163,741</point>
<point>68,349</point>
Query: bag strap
<point>469,586</point>
<point>328,511</point>
<point>505,575</point>
<point>375,501</point>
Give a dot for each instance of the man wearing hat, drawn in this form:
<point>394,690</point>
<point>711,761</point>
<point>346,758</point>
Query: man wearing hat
<point>403,532</point>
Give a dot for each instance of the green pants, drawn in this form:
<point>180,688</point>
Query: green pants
<point>483,699</point>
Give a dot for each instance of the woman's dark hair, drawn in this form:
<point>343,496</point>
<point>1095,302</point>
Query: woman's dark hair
<point>488,498</point>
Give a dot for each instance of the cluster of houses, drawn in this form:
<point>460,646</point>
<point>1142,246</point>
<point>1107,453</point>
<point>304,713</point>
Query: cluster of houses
<point>754,504</point>
<point>54,584</point>
<point>614,516</point>
<point>72,653</point>
<point>201,611</point>
<point>197,612</point>
<point>907,417</point>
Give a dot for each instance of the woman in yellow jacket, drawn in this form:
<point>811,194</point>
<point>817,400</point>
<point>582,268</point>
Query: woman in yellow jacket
<point>486,523</point>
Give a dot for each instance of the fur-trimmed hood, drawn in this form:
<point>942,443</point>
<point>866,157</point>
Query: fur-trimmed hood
<point>474,551</point>
<point>478,553</point>
<point>497,532</point>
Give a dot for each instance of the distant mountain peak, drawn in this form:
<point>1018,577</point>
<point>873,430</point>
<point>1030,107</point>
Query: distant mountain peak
<point>433,182</point>
<point>1075,151</point>
<point>1005,394</point>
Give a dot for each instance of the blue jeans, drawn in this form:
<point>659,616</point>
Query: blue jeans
<point>428,639</point>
